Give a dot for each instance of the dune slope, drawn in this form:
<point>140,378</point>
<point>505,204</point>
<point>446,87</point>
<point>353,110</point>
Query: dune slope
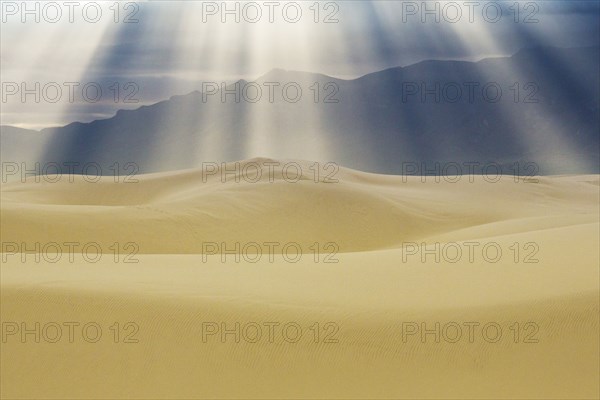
<point>466,289</point>
<point>178,212</point>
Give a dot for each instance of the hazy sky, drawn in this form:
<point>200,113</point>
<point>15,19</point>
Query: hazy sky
<point>141,52</point>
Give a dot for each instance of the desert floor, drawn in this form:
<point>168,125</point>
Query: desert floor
<point>390,287</point>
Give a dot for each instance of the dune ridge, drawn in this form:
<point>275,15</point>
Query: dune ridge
<point>390,274</point>
<point>358,211</point>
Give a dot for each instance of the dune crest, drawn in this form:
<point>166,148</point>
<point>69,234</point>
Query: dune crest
<point>265,200</point>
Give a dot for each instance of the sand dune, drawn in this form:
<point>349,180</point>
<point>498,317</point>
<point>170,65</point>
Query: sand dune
<point>395,268</point>
<point>359,211</point>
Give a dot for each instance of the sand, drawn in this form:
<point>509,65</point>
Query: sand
<point>342,325</point>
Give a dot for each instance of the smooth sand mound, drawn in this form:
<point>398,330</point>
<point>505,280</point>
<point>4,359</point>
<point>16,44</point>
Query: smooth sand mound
<point>426,312</point>
<point>178,213</point>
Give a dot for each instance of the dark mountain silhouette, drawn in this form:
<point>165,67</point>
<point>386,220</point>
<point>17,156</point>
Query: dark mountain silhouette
<point>548,113</point>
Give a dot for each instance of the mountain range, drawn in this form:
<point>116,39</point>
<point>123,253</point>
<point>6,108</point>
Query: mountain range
<point>539,105</point>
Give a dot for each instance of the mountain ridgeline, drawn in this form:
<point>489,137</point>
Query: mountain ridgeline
<point>540,105</point>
